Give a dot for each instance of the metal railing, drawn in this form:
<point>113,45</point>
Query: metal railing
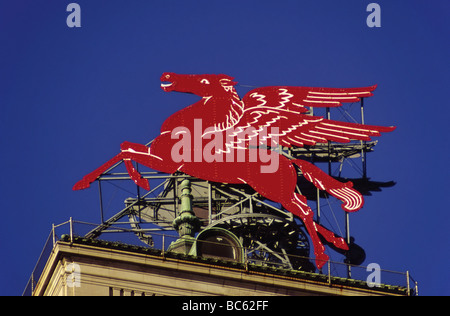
<point>332,272</point>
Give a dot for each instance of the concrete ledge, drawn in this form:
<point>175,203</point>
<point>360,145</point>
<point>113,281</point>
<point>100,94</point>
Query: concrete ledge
<point>93,267</point>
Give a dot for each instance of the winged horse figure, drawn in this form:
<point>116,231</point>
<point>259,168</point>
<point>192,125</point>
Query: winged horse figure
<point>275,116</point>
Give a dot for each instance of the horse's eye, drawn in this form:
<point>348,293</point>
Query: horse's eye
<point>205,81</point>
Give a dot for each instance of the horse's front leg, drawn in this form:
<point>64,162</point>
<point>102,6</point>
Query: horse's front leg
<point>129,152</point>
<point>91,177</point>
<point>141,154</point>
<point>135,175</point>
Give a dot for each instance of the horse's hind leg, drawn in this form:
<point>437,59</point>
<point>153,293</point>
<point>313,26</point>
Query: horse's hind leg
<point>351,198</point>
<point>329,236</point>
<point>280,187</point>
<point>297,206</point>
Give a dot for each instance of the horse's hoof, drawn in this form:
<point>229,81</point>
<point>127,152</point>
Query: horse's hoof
<point>81,185</point>
<point>143,183</point>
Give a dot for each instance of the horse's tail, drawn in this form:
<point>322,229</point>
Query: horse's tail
<point>351,198</point>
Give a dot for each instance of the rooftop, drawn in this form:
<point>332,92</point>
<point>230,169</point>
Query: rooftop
<point>324,279</point>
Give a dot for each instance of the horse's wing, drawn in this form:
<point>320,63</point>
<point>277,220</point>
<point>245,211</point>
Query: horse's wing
<point>298,98</point>
<point>275,126</point>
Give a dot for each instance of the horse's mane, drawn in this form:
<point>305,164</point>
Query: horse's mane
<point>235,108</point>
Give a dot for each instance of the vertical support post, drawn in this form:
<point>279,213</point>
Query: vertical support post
<point>209,203</point>
<point>175,196</point>
<point>407,283</point>
<point>138,196</point>
<point>347,215</point>
<point>317,196</point>
<point>53,235</point>
<point>347,233</point>
<point>329,272</point>
<point>362,110</point>
<point>101,201</point>
<point>329,145</point>
<point>363,151</point>
<point>71,229</point>
<point>318,206</point>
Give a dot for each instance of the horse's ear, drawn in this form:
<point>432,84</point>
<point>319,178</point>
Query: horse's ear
<point>227,79</point>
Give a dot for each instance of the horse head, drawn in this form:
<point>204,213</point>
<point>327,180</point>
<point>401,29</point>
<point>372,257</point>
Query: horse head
<point>224,107</point>
<point>201,85</point>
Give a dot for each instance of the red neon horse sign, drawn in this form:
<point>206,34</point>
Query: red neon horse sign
<point>223,138</point>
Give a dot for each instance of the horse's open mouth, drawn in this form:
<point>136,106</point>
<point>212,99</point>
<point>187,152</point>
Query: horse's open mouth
<point>166,85</point>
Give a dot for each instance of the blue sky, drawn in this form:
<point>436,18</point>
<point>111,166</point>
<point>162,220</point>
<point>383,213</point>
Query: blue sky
<point>70,96</point>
